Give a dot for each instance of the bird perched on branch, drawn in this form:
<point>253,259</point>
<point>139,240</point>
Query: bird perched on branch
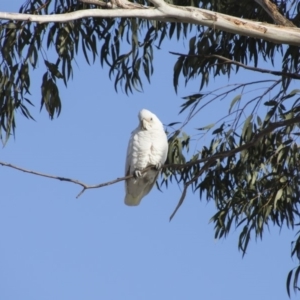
<point>148,146</point>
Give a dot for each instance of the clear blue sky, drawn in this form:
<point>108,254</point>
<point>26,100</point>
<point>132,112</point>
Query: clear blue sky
<point>54,246</point>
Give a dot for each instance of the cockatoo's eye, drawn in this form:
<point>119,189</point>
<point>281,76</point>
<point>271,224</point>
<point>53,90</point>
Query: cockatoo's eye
<point>151,119</point>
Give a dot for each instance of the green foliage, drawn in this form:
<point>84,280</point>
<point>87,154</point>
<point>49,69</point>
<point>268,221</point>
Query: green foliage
<point>296,271</point>
<point>126,46</point>
<point>250,166</point>
<point>252,173</point>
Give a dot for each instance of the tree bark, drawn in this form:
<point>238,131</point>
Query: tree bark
<point>171,13</point>
<point>272,10</point>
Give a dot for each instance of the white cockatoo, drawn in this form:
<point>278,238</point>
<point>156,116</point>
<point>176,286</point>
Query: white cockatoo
<point>148,145</point>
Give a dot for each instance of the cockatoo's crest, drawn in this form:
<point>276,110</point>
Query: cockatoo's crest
<point>148,120</point>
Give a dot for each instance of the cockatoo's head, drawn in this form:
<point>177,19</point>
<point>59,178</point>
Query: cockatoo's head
<point>148,120</point>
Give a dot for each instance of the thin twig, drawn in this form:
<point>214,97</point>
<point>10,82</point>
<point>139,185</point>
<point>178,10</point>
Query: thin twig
<point>234,62</point>
<point>235,87</point>
<point>208,162</point>
<point>100,185</point>
<point>42,174</point>
<point>75,181</point>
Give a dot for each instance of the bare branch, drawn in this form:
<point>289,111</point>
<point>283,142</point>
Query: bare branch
<point>229,61</point>
<point>86,187</point>
<point>75,181</point>
<point>42,174</point>
<point>208,162</point>
<point>170,13</point>
<point>272,10</point>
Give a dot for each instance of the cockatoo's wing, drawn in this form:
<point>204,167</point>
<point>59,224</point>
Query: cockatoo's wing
<point>138,152</point>
<point>148,145</point>
<point>137,188</point>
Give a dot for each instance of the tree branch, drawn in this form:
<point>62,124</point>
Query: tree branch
<point>208,162</point>
<point>170,13</point>
<point>75,181</point>
<point>272,10</point>
<point>229,61</point>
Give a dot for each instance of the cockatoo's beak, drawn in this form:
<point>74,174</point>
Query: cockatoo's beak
<point>144,124</point>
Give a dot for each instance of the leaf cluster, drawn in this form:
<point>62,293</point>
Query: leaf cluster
<point>250,168</point>
<point>126,46</point>
<point>251,173</point>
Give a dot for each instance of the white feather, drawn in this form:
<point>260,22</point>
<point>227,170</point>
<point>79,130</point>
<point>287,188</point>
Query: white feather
<point>148,145</point>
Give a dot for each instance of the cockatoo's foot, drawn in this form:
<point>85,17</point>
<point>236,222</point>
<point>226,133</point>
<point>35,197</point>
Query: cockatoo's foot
<point>158,166</point>
<point>137,173</point>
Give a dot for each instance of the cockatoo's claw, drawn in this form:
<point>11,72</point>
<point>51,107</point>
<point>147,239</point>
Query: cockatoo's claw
<point>137,173</point>
<point>158,166</point>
